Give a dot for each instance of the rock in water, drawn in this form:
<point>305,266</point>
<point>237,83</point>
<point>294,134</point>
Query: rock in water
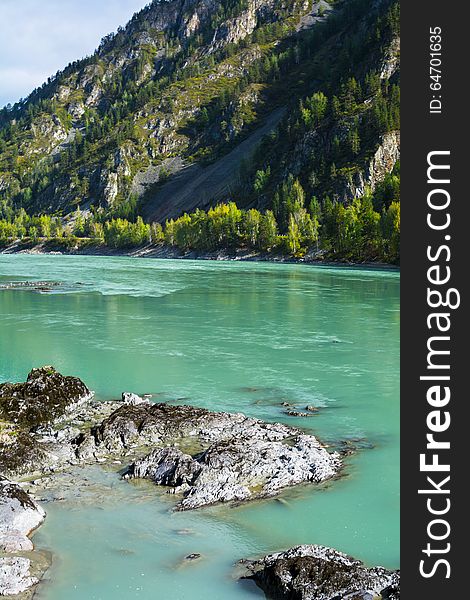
<point>206,457</point>
<point>318,573</point>
<point>243,467</point>
<point>19,515</point>
<point>131,398</point>
<point>45,397</point>
<point>193,556</point>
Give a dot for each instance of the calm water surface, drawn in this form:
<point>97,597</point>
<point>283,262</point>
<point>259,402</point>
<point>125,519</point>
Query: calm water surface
<point>226,336</point>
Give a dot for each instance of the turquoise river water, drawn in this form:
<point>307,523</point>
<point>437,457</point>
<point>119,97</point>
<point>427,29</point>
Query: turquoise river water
<point>227,336</point>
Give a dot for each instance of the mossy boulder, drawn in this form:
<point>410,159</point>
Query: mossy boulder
<point>20,452</point>
<point>45,397</point>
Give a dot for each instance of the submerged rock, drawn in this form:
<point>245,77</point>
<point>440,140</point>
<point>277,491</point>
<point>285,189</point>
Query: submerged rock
<point>318,573</point>
<point>34,285</point>
<point>298,413</point>
<point>293,411</point>
<point>193,556</point>
<point>45,397</point>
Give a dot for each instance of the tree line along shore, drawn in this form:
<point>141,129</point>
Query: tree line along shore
<point>368,229</point>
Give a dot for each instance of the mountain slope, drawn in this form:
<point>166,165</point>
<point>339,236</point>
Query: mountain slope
<point>196,186</point>
<point>158,119</point>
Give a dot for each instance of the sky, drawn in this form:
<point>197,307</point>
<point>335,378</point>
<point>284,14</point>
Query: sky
<point>40,37</point>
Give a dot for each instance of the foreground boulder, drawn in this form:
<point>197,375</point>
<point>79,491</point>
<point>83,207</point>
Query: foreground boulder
<point>19,516</point>
<point>45,397</point>
<point>44,401</point>
<point>209,457</point>
<point>238,468</point>
<point>318,573</point>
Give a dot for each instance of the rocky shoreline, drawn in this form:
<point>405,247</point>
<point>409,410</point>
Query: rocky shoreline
<point>50,425</point>
<point>319,258</point>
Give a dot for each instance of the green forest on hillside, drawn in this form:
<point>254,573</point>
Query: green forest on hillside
<point>356,232</point>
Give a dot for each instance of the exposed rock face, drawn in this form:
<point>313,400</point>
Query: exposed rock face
<point>238,468</point>
<point>110,186</point>
<point>382,162</point>
<point>318,573</point>
<point>19,515</point>
<point>48,131</point>
<point>367,174</point>
<point>391,60</point>
<point>45,397</point>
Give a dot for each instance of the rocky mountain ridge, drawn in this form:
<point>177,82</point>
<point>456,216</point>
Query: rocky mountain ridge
<point>184,83</point>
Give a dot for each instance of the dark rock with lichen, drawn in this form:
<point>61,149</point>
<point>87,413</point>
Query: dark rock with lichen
<point>20,452</point>
<point>45,397</point>
<point>311,572</point>
<point>45,400</point>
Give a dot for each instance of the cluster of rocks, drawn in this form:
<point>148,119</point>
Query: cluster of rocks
<point>51,424</point>
<point>205,457</point>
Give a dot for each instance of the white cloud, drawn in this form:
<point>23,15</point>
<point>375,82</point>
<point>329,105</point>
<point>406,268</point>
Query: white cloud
<point>39,37</point>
